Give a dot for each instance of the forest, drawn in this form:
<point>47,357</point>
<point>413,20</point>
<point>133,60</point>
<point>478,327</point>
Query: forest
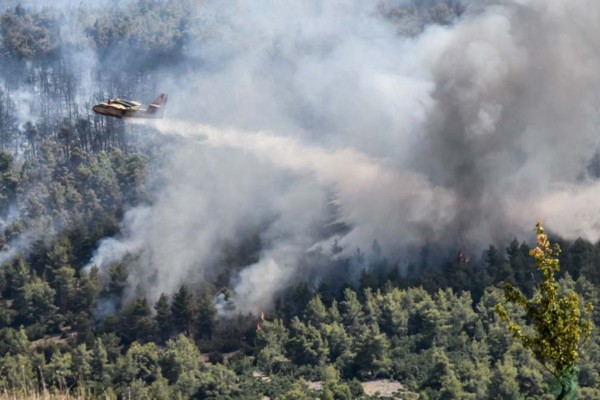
<point>68,178</point>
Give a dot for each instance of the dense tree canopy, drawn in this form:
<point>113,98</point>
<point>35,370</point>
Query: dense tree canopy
<point>67,177</point>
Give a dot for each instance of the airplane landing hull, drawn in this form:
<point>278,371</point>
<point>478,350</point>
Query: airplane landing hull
<point>109,112</point>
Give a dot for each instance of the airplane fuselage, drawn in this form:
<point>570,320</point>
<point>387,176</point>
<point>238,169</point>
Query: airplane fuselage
<point>109,110</point>
<point>119,108</point>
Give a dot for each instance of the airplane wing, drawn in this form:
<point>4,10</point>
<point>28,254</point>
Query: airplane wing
<point>127,103</point>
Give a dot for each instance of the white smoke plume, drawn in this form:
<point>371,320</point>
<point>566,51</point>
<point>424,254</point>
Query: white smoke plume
<point>364,191</point>
<point>464,134</point>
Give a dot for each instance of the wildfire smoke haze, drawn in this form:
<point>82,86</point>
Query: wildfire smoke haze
<point>309,124</point>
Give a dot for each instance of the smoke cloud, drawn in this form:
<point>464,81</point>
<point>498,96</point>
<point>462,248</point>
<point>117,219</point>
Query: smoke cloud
<point>295,116</point>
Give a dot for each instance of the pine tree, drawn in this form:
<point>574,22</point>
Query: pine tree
<point>315,312</point>
<point>183,310</point>
<point>205,321</point>
<point>118,279</point>
<point>64,283</point>
<point>81,368</point>
<point>442,377</point>
<point>372,352</point>
<point>271,339</point>
<point>504,383</point>
<point>86,292</point>
<point>101,368</point>
<point>181,364</point>
<point>499,268</point>
<point>163,317</point>
<point>352,313</point>
<point>305,345</point>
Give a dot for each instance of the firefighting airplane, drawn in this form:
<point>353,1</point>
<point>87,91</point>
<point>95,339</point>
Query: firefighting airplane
<point>120,108</point>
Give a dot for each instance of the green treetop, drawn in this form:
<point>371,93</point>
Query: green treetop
<point>560,326</point>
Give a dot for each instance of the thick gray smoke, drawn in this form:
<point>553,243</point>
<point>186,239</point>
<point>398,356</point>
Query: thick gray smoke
<point>464,134</point>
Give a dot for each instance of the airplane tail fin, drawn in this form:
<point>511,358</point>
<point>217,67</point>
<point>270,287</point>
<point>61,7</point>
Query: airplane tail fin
<point>157,107</point>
